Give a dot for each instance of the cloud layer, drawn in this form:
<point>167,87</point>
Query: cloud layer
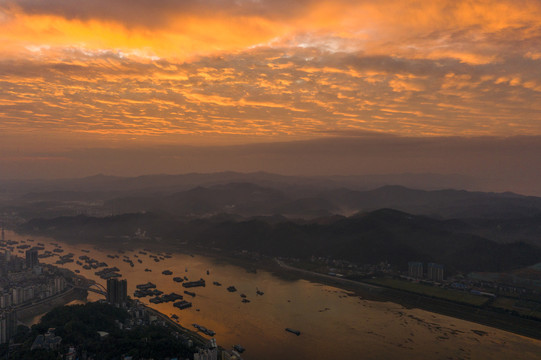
<point>211,71</point>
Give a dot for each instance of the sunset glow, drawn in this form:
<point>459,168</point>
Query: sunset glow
<point>270,68</point>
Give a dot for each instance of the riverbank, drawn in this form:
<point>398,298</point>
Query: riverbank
<point>477,314</point>
<point>251,263</point>
<point>28,312</point>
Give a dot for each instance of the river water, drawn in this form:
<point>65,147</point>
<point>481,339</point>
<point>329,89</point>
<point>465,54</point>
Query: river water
<point>333,323</point>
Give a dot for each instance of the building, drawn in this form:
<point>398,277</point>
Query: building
<point>415,269</point>
<point>117,291</point>
<point>59,284</point>
<point>206,354</point>
<point>435,272</point>
<point>8,324</point>
<point>17,295</point>
<point>5,300</point>
<point>31,258</point>
<point>48,341</point>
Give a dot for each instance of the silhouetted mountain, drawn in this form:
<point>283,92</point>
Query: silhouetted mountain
<point>382,235</point>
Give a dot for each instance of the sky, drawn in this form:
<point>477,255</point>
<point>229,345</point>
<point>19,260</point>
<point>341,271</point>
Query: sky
<point>79,76</point>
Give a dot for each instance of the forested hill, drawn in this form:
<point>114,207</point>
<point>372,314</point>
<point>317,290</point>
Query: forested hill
<point>371,237</point>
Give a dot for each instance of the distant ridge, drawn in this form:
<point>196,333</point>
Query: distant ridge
<point>261,193</point>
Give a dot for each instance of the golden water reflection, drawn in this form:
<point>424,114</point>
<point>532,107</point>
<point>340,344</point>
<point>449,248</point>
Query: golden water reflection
<point>333,323</point>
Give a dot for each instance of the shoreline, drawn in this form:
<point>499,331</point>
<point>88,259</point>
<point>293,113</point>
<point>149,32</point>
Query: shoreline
<point>29,311</point>
<point>366,291</point>
<point>480,315</point>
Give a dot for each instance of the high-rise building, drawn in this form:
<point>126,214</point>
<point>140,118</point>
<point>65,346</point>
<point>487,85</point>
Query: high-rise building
<point>415,269</point>
<point>17,295</point>
<point>8,323</point>
<point>117,291</point>
<point>5,300</point>
<point>59,284</point>
<point>31,258</point>
<point>435,272</point>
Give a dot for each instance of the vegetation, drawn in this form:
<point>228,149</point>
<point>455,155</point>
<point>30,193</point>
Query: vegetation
<point>78,325</point>
<point>382,235</point>
<point>432,291</point>
<point>524,308</point>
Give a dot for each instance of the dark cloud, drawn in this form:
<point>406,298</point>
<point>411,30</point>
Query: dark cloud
<point>496,164</point>
<point>151,13</point>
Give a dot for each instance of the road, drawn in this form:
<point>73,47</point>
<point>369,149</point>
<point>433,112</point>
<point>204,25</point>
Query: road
<point>325,276</point>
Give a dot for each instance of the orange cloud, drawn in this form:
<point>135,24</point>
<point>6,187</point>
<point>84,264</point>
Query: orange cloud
<point>270,68</point>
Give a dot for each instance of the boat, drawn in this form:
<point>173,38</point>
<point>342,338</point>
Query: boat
<point>245,301</point>
<point>167,272</point>
<point>148,270</point>
<point>239,348</point>
<point>208,273</point>
<point>243,296</point>
<point>146,286</point>
<point>139,261</point>
<point>259,292</point>
<point>296,332</point>
<point>191,284</point>
<point>189,293</point>
<point>178,279</point>
<point>174,316</point>
<point>231,289</point>
<point>217,283</point>
<point>156,300</point>
<point>172,297</point>
<point>183,304</point>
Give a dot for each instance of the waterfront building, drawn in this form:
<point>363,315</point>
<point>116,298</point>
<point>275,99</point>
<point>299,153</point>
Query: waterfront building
<point>59,284</point>
<point>117,291</point>
<point>28,293</point>
<point>206,354</point>
<point>31,258</point>
<point>415,269</point>
<point>8,323</point>
<point>5,300</point>
<point>435,272</point>
<point>17,295</point>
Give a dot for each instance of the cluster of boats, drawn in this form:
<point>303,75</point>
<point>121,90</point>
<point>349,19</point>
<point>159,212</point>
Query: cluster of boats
<point>166,298</point>
<point>183,304</point>
<point>64,259</point>
<point>108,273</point>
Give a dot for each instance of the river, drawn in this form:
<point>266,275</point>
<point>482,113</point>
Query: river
<point>333,323</point>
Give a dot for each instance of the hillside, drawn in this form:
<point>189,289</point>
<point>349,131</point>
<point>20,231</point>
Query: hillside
<point>382,235</point>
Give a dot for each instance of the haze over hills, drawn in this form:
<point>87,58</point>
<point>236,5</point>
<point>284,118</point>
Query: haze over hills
<point>251,194</point>
<point>294,216</point>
